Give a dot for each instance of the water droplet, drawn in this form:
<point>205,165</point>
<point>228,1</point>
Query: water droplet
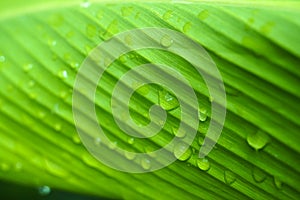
<point>85,4</point>
<point>4,167</point>
<point>44,190</point>
<point>258,140</point>
<point>18,167</point>
<point>187,26</point>
<point>267,27</point>
<point>202,114</point>
<point>113,145</point>
<point>74,65</point>
<point>203,164</point>
<point>182,151</point>
<point>31,83</point>
<point>56,20</point>
<point>51,42</point>
<point>91,30</point>
<point>203,14</point>
<point>2,59</point>
<point>229,177</point>
<point>41,114</point>
<point>259,175</point>
<point>111,29</point>
<point>63,74</point>
<point>201,140</point>
<point>99,14</point>
<point>57,127</point>
<point>126,11</point>
<point>97,141</point>
<point>27,67</point>
<point>76,139</point>
<point>123,58</point>
<point>130,155</point>
<point>167,101</point>
<point>70,34</point>
<point>32,95</point>
<point>146,163</point>
<point>55,169</point>
<point>144,90</point>
<point>168,15</point>
<point>63,94</point>
<point>130,140</point>
<point>277,183</point>
<point>166,41</point>
<point>178,133</point>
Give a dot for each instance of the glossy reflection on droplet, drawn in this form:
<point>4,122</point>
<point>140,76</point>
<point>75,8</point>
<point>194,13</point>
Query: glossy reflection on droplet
<point>178,133</point>
<point>44,190</point>
<point>182,151</point>
<point>146,163</point>
<point>166,41</point>
<point>167,101</point>
<point>203,164</point>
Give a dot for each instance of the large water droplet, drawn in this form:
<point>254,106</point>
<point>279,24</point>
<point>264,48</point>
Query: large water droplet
<point>258,140</point>
<point>229,177</point>
<point>146,163</point>
<point>182,151</point>
<point>203,164</point>
<point>166,41</point>
<point>44,190</point>
<point>203,14</point>
<point>167,101</point>
<point>55,169</point>
<point>259,175</point>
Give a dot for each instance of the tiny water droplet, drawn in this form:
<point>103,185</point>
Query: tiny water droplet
<point>56,20</point>
<point>63,74</point>
<point>18,167</point>
<point>55,169</point>
<point>111,29</point>
<point>167,101</point>
<point>91,30</point>
<point>99,14</point>
<point>146,163</point>
<point>70,34</point>
<point>130,140</point>
<point>57,127</point>
<point>203,14</point>
<point>2,59</point>
<point>229,177</point>
<point>41,114</point>
<point>201,140</point>
<point>27,67</point>
<point>258,140</point>
<point>277,183</point>
<point>67,56</point>
<point>123,58</point>
<point>144,90</point>
<point>113,145</point>
<point>32,95</point>
<point>51,42</point>
<point>187,26</point>
<point>258,175</point>
<point>166,41</point>
<point>203,164</point>
<point>76,139</point>
<point>4,167</point>
<point>178,133</point>
<point>202,114</point>
<point>168,15</point>
<point>85,4</point>
<point>31,83</point>
<point>63,94</point>
<point>130,155</point>
<point>182,151</point>
<point>267,27</point>
<point>44,190</point>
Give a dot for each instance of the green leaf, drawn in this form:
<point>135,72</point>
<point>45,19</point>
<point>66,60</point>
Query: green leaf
<point>255,45</point>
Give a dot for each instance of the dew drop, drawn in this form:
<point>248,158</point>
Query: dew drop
<point>258,175</point>
<point>202,114</point>
<point>187,26</point>
<point>52,42</point>
<point>201,140</point>
<point>130,140</point>
<point>182,151</point>
<point>168,15</point>
<point>126,11</point>
<point>178,133</point>
<point>76,139</point>
<point>70,34</point>
<point>4,167</point>
<point>18,167</point>
<point>144,90</point>
<point>57,127</point>
<point>55,169</point>
<point>63,74</point>
<point>2,59</point>
<point>85,4</point>
<point>258,140</point>
<point>130,155</point>
<point>63,94</point>
<point>277,183</point>
<point>203,14</point>
<point>91,30</point>
<point>167,101</point>
<point>27,67</point>
<point>111,29</point>
<point>97,141</point>
<point>44,190</point>
<point>146,163</point>
<point>113,145</point>
<point>166,41</point>
<point>31,83</point>
<point>41,114</point>
<point>99,14</point>
<point>267,27</point>
<point>32,95</point>
<point>229,177</point>
<point>203,164</point>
